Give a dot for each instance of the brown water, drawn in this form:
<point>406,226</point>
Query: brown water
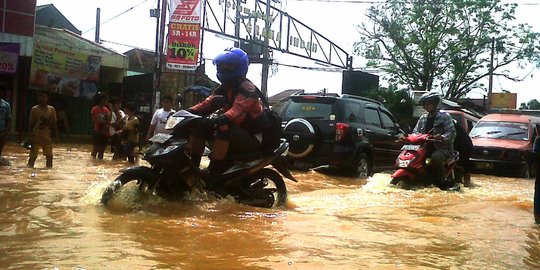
<point>54,219</point>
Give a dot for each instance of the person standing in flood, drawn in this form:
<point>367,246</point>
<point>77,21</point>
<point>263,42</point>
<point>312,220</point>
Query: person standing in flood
<point>536,152</point>
<point>130,133</point>
<point>117,123</point>
<point>5,120</point>
<point>101,117</point>
<point>159,119</point>
<point>42,123</point>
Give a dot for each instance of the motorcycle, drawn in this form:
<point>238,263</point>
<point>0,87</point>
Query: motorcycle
<point>413,166</point>
<point>172,174</point>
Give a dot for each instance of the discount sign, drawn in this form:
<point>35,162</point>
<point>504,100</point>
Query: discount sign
<point>184,34</point>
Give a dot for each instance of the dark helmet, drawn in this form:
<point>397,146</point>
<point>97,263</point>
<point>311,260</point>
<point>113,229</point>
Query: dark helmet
<point>231,64</point>
<point>430,97</point>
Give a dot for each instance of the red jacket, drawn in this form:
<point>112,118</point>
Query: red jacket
<point>242,106</point>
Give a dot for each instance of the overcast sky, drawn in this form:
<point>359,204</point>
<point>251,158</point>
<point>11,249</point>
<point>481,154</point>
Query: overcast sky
<point>335,21</point>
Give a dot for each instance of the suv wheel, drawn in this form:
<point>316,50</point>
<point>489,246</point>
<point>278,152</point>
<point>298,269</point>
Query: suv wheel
<point>362,168</point>
<point>302,137</point>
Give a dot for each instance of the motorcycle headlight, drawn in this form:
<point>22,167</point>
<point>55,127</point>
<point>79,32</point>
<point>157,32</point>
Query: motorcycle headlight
<point>165,150</point>
<point>172,122</point>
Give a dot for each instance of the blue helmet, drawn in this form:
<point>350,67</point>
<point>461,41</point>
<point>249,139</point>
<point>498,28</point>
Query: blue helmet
<point>231,64</point>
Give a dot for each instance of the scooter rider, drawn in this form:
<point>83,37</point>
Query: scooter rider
<point>238,127</point>
<point>441,126</point>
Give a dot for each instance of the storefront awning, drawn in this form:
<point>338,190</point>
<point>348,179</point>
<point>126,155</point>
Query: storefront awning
<point>63,38</point>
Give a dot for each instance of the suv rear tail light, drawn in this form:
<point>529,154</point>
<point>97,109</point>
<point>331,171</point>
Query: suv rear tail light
<point>341,131</point>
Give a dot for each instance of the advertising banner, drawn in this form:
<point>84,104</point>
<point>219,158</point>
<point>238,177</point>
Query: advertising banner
<point>65,71</point>
<point>9,56</point>
<point>183,42</point>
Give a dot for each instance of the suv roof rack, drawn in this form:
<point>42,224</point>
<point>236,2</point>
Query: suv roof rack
<point>361,98</point>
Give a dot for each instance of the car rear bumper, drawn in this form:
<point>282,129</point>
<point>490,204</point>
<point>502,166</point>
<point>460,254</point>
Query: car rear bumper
<point>490,165</point>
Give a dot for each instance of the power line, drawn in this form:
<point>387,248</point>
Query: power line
<point>125,45</point>
<point>371,2</point>
<point>116,16</point>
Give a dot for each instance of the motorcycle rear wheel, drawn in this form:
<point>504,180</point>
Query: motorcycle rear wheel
<point>264,189</point>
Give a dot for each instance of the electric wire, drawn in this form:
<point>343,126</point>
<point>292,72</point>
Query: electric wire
<point>116,16</point>
<point>125,45</point>
<point>371,2</point>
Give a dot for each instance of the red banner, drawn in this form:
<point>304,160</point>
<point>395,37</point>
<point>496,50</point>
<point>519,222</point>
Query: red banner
<point>184,35</point>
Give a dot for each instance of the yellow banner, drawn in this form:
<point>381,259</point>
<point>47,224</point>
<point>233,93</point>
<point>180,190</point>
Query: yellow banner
<point>64,71</point>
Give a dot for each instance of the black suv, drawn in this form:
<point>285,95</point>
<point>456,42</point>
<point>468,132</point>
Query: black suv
<point>354,134</point>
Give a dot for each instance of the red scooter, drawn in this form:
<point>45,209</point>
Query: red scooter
<point>414,167</point>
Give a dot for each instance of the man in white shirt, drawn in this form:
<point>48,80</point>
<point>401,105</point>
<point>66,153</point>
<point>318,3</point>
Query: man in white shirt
<point>159,120</point>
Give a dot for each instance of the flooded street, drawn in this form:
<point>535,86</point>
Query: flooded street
<point>53,218</point>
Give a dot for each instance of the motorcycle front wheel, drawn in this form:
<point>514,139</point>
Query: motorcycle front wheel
<point>264,189</point>
<point>144,181</point>
<point>401,182</point>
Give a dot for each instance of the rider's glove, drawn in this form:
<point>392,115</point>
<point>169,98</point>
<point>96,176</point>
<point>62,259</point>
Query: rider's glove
<point>221,120</point>
<point>439,137</point>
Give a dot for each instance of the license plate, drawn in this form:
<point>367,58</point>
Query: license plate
<point>403,163</point>
<point>160,138</point>
<point>483,165</point>
<point>411,147</point>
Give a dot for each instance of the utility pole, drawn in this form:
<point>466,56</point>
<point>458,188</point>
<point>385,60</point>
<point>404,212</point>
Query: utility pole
<point>490,86</point>
<point>97,39</point>
<point>266,61</point>
<point>160,36</point>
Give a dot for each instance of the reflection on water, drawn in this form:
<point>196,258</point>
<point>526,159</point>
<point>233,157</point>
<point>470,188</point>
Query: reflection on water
<point>53,218</point>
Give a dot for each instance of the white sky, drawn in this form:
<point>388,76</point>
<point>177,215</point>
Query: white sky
<point>336,21</point>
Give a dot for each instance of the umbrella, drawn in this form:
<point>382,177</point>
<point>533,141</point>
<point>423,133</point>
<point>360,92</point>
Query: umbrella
<point>199,90</point>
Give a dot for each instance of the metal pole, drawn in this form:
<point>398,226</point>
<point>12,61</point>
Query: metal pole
<point>157,57</point>
<point>97,39</point>
<point>490,86</point>
<point>266,53</point>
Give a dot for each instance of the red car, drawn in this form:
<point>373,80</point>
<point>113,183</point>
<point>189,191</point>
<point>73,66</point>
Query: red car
<point>503,143</point>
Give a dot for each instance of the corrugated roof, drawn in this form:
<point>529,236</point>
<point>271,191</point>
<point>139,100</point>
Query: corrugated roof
<point>142,61</point>
<point>49,15</point>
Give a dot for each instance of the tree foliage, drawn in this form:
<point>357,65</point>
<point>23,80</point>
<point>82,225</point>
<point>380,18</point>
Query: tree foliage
<point>445,45</point>
<point>398,102</point>
<point>533,104</point>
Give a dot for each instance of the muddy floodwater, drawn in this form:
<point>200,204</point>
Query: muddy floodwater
<point>52,219</point>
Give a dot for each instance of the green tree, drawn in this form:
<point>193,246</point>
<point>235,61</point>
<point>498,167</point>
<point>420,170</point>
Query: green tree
<point>445,45</point>
<point>533,104</point>
<point>398,102</point>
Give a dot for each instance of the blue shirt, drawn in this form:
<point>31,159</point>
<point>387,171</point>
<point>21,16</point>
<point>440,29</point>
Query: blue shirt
<point>5,114</point>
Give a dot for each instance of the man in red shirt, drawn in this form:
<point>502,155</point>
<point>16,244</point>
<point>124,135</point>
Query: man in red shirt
<point>101,117</point>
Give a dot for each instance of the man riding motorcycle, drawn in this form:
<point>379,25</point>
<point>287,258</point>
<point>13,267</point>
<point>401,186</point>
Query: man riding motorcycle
<point>441,126</point>
<point>239,126</point>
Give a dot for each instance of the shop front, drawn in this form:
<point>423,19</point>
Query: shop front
<point>72,69</point>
